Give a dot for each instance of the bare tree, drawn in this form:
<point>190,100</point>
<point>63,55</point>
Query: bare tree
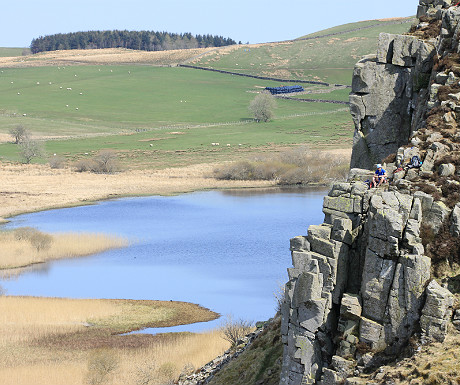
<point>106,161</point>
<point>30,149</point>
<point>234,330</point>
<point>19,133</point>
<point>262,107</point>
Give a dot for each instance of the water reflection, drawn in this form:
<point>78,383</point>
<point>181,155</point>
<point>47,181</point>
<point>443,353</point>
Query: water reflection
<point>227,251</point>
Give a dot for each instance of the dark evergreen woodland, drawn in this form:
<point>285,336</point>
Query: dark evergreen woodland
<point>139,40</point>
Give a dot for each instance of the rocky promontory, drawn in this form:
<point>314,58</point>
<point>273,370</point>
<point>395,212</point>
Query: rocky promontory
<point>380,275</point>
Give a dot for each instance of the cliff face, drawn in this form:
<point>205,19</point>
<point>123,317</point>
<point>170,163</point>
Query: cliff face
<point>361,283</point>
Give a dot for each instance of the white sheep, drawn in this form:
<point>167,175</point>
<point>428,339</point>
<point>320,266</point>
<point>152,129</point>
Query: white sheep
<point>228,144</point>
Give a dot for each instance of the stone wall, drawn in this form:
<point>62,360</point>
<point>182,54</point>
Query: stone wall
<point>360,284</point>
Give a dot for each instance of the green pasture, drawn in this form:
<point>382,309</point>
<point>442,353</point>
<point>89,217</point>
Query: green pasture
<point>324,125</point>
<point>11,52</point>
<point>330,59</point>
<point>359,24</point>
<point>124,98</point>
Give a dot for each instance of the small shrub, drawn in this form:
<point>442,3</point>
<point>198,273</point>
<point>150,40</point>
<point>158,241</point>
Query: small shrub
<point>101,365</point>
<point>57,162</point>
<point>41,241</point>
<point>234,330</point>
<point>85,165</point>
<point>24,233</point>
<point>106,162</point>
<point>145,373</point>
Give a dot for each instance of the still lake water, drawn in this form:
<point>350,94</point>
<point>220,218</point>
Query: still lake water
<point>225,250</point>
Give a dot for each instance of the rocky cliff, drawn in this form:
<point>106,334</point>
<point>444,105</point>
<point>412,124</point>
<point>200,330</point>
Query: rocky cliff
<point>362,283</point>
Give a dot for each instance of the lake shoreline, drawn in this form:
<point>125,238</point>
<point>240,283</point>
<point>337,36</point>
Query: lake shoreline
<point>90,188</point>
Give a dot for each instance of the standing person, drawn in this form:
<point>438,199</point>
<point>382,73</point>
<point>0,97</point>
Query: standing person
<point>380,176</point>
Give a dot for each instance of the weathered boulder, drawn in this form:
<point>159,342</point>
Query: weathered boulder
<point>446,169</point>
<point>455,221</point>
<point>350,307</point>
<point>436,312</point>
<point>436,215</point>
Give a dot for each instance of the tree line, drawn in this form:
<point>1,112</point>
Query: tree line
<point>137,40</point>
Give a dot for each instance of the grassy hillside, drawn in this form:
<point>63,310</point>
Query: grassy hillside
<point>329,59</point>
<point>159,116</point>
<point>8,52</point>
<point>150,113</point>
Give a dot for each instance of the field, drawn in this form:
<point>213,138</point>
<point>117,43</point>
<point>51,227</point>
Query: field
<point>157,117</point>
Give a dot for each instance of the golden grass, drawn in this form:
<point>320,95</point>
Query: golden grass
<point>27,188</point>
<point>22,252</point>
<point>102,57</point>
<point>52,340</point>
<point>436,364</point>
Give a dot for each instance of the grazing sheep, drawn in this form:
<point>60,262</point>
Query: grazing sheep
<point>24,114</point>
<point>19,93</point>
<point>70,89</point>
<point>38,82</point>
<point>60,88</point>
<point>76,108</point>
<point>81,93</point>
<point>228,144</point>
<point>151,145</point>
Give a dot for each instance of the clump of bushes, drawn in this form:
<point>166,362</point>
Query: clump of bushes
<point>443,248</point>
<point>449,63</point>
<point>433,28</point>
<point>105,162</point>
<point>57,162</point>
<point>295,166</point>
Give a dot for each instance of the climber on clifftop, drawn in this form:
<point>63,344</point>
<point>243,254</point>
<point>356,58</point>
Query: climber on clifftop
<point>380,176</point>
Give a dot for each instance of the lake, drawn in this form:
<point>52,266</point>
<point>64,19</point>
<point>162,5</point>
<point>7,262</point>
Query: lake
<point>225,250</point>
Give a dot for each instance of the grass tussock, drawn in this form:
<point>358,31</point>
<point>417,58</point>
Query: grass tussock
<point>295,166</point>
<point>27,246</point>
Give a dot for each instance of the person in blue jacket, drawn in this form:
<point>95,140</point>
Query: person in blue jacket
<point>380,176</point>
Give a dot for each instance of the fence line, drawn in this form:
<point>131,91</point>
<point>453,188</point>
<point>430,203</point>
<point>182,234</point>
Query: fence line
<point>263,77</point>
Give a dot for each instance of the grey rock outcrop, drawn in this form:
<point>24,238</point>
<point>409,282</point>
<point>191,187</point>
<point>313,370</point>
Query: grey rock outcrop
<point>384,94</point>
<point>362,277</point>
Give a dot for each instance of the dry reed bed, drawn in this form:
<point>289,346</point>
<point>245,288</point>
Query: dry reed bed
<point>25,246</point>
<point>49,341</point>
